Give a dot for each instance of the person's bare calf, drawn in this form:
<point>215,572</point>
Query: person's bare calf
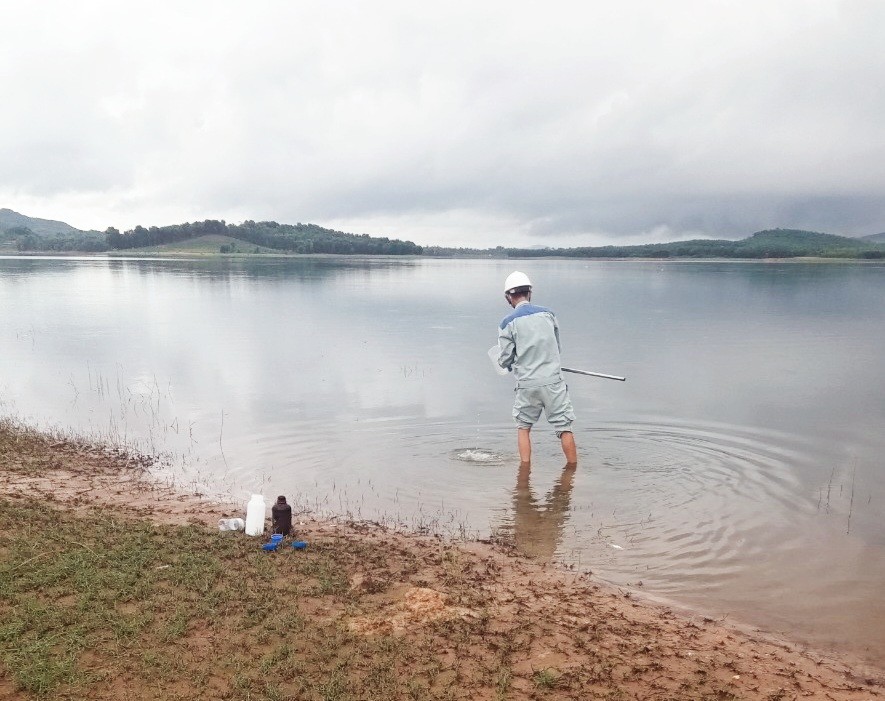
<point>569,449</point>
<point>524,442</point>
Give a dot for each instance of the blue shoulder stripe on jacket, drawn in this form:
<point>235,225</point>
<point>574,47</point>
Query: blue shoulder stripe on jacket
<point>524,310</point>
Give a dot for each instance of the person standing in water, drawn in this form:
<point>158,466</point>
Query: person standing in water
<point>528,346</point>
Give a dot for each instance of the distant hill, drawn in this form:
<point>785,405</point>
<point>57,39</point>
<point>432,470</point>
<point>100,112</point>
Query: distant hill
<point>875,238</point>
<point>281,238</point>
<point>40,227</point>
<point>776,243</point>
<point>22,233</point>
<point>772,243</point>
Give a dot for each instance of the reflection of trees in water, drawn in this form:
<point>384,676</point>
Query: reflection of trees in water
<point>306,269</point>
<point>538,524</point>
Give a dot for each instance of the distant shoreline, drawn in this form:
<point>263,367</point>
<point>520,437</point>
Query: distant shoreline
<point>209,238</point>
<point>176,255</point>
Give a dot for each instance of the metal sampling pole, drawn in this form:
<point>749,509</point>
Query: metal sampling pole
<point>595,374</point>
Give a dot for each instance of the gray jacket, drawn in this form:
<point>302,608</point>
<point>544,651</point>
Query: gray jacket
<point>528,344</point>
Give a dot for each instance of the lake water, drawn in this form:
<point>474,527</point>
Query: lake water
<point>739,469</point>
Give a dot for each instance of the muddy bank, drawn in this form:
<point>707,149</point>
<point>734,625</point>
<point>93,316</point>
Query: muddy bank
<point>371,613</point>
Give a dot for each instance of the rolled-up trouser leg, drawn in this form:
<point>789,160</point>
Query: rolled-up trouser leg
<point>527,406</point>
<point>558,406</point>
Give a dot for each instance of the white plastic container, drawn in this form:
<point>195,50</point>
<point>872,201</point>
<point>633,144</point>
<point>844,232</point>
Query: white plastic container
<point>493,356</point>
<point>255,513</point>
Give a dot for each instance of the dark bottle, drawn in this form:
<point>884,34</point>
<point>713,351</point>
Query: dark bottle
<point>281,516</point>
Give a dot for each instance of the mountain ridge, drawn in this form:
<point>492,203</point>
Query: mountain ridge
<point>10,219</point>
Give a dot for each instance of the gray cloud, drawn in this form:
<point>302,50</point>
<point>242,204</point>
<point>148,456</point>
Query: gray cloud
<point>472,125</point>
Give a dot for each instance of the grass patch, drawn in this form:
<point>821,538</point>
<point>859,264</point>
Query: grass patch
<point>546,678</point>
<point>89,600</point>
<point>209,244</point>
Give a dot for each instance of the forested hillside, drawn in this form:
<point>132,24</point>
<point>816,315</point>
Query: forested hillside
<point>23,233</point>
<point>264,237</point>
<point>40,227</point>
<point>774,243</point>
<point>288,238</point>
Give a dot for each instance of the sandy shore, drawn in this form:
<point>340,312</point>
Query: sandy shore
<point>600,641</point>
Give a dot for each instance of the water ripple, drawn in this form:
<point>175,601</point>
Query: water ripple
<point>682,502</point>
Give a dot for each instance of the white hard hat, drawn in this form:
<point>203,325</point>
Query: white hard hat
<point>516,279</point>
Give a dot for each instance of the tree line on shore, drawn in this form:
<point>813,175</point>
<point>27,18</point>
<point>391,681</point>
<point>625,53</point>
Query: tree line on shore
<point>310,238</point>
<point>286,238</point>
<point>25,240</point>
<point>772,243</point>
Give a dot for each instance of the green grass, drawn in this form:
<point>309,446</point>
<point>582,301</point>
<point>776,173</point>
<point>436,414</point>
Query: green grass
<point>117,589</point>
<point>546,678</point>
<point>187,612</point>
<point>209,244</point>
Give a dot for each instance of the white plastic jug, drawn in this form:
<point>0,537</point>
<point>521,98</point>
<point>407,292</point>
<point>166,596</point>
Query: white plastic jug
<point>493,356</point>
<point>255,512</point>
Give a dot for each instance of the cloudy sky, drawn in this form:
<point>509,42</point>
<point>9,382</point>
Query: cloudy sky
<point>458,123</point>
